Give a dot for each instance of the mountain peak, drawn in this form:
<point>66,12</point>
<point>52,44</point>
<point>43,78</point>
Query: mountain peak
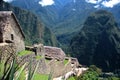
<point>98,42</point>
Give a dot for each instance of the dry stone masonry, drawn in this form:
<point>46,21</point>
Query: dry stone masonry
<point>10,30</point>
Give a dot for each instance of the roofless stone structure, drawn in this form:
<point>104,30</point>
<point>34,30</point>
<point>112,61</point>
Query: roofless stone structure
<point>10,30</point>
<point>54,52</point>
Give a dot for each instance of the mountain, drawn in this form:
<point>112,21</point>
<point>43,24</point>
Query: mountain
<point>60,17</point>
<point>66,17</point>
<point>49,14</point>
<point>35,31</point>
<point>98,42</point>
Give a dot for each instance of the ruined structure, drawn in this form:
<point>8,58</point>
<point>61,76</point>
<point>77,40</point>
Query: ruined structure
<point>12,41</point>
<point>10,30</point>
<point>37,48</point>
<point>54,52</point>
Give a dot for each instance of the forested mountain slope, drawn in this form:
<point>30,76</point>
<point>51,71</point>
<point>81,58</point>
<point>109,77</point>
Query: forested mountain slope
<point>98,42</point>
<point>35,31</point>
<point>64,17</point>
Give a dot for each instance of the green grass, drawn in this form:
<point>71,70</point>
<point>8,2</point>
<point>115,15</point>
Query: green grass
<point>38,57</point>
<point>65,61</point>
<point>71,78</point>
<point>1,69</point>
<point>40,77</point>
<point>24,52</point>
<point>47,60</point>
<point>22,76</point>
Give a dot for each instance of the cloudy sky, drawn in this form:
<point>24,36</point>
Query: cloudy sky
<point>8,0</point>
<point>105,3</point>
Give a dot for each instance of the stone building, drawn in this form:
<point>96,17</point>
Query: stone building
<point>38,49</point>
<point>54,52</point>
<point>10,30</point>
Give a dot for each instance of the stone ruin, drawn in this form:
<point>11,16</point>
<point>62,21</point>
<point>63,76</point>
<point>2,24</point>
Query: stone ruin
<point>10,30</point>
<point>56,59</point>
<point>54,52</point>
<point>37,48</point>
<point>12,42</point>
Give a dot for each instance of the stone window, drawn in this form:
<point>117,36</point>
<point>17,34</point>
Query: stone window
<point>12,37</point>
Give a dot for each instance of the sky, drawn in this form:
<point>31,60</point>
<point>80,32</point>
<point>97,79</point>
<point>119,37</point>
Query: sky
<point>105,3</point>
<point>8,0</point>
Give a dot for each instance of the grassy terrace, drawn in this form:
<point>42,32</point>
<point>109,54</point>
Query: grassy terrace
<point>40,77</point>
<point>65,61</point>
<point>38,57</point>
<point>24,52</point>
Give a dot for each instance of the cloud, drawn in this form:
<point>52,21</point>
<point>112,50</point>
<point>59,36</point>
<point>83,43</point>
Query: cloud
<point>46,2</point>
<point>93,1</point>
<point>105,3</point>
<point>8,0</point>
<point>110,3</point>
<point>97,6</point>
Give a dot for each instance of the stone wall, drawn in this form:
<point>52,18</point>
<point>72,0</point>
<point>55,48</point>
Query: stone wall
<point>7,51</point>
<point>39,49</point>
<point>11,31</point>
<point>42,68</point>
<point>54,52</point>
<point>57,68</point>
<point>17,36</point>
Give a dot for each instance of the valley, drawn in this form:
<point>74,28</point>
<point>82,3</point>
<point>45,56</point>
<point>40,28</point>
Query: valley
<point>62,39</point>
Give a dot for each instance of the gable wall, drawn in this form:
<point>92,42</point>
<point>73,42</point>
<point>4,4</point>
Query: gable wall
<point>11,28</point>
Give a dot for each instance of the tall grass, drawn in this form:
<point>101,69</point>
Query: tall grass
<point>7,69</point>
<point>10,69</point>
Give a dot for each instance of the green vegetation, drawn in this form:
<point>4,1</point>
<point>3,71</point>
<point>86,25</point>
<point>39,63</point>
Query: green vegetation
<point>65,61</point>
<point>98,42</point>
<point>20,75</point>
<point>7,71</point>
<point>10,72</point>
<point>71,78</point>
<point>110,78</point>
<point>24,52</point>
<point>46,60</point>
<point>113,78</point>
<point>40,76</point>
<point>35,31</point>
<point>38,57</point>
<point>92,74</point>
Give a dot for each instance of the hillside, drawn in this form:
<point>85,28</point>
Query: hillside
<point>98,42</point>
<point>35,31</point>
<point>65,17</point>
